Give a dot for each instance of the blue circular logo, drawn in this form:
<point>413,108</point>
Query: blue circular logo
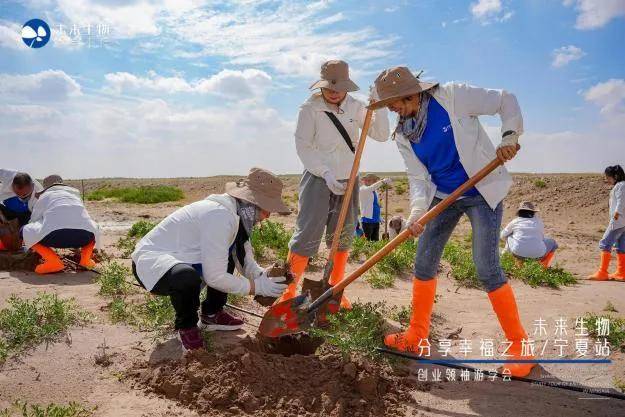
<point>35,33</point>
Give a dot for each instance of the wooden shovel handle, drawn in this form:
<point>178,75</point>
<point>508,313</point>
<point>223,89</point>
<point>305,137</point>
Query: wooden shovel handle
<point>347,197</point>
<point>400,238</point>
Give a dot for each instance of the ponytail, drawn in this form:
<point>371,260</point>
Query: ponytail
<point>616,172</point>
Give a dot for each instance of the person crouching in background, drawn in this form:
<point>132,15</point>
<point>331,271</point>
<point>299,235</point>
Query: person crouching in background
<point>525,236</point>
<point>614,235</point>
<point>59,220</point>
<point>370,205</point>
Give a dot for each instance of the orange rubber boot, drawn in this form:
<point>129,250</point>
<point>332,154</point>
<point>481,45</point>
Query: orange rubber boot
<point>51,261</point>
<point>619,275</point>
<point>298,264</point>
<point>418,330</point>
<point>547,259</point>
<point>504,304</point>
<point>602,272</point>
<point>338,272</point>
<point>85,255</point>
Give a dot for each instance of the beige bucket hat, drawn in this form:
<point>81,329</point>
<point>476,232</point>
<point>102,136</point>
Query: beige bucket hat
<point>335,76</point>
<point>528,205</point>
<point>262,188</point>
<point>396,83</point>
<point>51,180</point>
<point>371,177</point>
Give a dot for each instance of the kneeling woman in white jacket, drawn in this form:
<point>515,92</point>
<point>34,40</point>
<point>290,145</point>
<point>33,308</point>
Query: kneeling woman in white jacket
<point>202,244</point>
<point>525,236</point>
<point>59,220</point>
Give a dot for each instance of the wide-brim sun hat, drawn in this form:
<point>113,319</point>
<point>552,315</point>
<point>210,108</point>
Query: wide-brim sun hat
<point>334,75</point>
<point>396,83</point>
<point>262,188</point>
<point>371,177</point>
<point>528,206</point>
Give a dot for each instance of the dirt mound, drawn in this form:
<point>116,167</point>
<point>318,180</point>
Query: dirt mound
<point>18,261</point>
<point>246,381</point>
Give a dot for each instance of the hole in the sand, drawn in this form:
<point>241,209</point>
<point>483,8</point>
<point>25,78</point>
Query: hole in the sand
<point>295,344</point>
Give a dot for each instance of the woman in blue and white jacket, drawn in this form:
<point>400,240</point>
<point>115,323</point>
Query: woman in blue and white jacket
<point>443,143</point>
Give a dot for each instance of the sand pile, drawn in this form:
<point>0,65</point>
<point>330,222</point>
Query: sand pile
<point>246,381</point>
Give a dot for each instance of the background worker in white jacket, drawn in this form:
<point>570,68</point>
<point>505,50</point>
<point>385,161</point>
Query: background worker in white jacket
<point>59,220</point>
<point>614,235</point>
<point>204,242</point>
<point>328,155</point>
<point>525,236</point>
<point>17,195</point>
<point>442,143</point>
<point>370,212</point>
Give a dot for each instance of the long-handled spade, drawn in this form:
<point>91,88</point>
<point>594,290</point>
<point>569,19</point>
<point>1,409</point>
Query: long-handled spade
<point>299,313</point>
<point>345,205</point>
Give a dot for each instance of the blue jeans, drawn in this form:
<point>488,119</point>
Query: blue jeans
<point>612,238</point>
<point>485,223</point>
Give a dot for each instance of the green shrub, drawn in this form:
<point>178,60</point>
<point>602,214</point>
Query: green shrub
<point>401,186</point>
<point>462,266</point>
<point>23,409</point>
<point>112,279</point>
<point>398,262</point>
<point>25,323</point>
<point>358,330</point>
<point>540,183</point>
<point>127,243</point>
<point>142,195</point>
<point>270,236</point>
<point>532,273</point>
<point>616,337</point>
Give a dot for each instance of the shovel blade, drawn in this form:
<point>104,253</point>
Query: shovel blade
<point>288,317</point>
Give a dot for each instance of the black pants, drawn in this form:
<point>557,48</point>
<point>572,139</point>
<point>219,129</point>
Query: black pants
<point>67,238</point>
<point>183,284</point>
<point>371,230</point>
<point>22,218</point>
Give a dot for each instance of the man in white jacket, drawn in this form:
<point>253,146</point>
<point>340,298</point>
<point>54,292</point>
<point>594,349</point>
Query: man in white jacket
<point>202,244</point>
<point>59,220</point>
<point>443,143</point>
<point>17,195</point>
<point>326,136</point>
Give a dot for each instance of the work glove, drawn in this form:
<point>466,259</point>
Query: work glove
<point>415,227</point>
<point>507,149</point>
<point>336,187</point>
<point>387,181</point>
<point>269,286</point>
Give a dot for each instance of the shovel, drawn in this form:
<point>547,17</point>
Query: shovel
<point>299,313</point>
<point>347,197</point>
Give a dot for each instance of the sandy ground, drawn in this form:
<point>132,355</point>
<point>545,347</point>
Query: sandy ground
<point>574,208</point>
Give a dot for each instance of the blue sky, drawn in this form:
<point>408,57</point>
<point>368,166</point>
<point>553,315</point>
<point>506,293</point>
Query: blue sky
<point>196,88</point>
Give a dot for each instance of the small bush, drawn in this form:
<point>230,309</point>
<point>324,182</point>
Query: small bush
<point>462,266</point>
<point>112,279</point>
<point>358,330</point>
<point>616,337</point>
<point>532,273</point>
<point>127,243</point>
<point>398,262</point>
<point>401,186</point>
<point>140,195</point>
<point>270,236</point>
<point>26,323</point>
<point>379,280</point>
<point>540,183</point>
<point>23,409</point>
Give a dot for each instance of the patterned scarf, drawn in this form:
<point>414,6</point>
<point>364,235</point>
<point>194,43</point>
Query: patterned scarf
<point>249,214</point>
<point>412,128</point>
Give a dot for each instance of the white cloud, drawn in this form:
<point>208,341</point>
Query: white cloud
<point>489,11</point>
<point>594,14</point>
<point>566,54</point>
<point>50,85</point>
<point>609,96</point>
<point>10,36</point>
<point>291,38</point>
<point>248,83</point>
